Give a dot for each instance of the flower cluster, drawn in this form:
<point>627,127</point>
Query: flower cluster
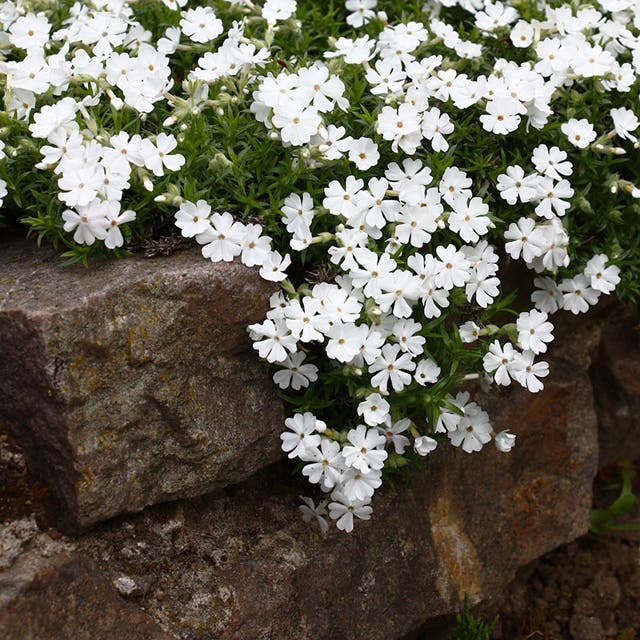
<point>385,173</point>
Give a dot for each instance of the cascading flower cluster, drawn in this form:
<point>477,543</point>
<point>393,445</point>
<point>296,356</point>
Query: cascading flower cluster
<point>400,167</point>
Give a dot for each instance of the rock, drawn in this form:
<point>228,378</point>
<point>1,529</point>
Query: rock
<point>240,564</point>
<point>49,593</point>
<point>133,382</point>
<point>617,391</point>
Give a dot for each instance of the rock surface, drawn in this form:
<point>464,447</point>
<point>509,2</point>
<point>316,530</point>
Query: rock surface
<point>49,593</point>
<point>133,382</point>
<point>240,565</point>
<point>616,387</point>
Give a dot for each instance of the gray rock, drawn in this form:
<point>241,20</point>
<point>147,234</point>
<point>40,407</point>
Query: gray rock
<point>47,592</point>
<point>133,382</point>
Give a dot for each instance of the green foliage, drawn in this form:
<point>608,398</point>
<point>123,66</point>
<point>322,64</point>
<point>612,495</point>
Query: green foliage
<point>606,520</point>
<point>468,627</point>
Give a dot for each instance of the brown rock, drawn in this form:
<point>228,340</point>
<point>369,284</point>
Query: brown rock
<point>133,381</point>
<point>48,593</point>
<point>241,565</point>
<point>616,387</point>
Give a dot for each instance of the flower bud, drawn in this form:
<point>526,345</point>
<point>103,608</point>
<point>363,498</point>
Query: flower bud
<point>505,441</point>
<point>424,445</point>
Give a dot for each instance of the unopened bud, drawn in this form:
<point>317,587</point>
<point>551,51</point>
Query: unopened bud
<point>505,441</point>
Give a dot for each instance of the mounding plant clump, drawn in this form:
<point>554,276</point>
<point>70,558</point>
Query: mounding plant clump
<point>383,161</point>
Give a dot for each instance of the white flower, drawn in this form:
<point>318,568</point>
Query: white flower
<point>331,141</point>
<point>366,449</point>
<point>378,209</point>
<point>354,51</point>
<point>468,218</point>
<point>358,485</point>
<point>387,76</point>
<point>296,122</point>
<point>498,361</point>
<point>454,184</point>
<point>625,121</point>
<point>343,510</point>
<point>495,15</point>
<point>435,126</point>
<point>374,409</point>
<point>157,156</point>
<point>522,34</point>
<point>201,24</point>
<point>303,435</point>
<point>115,218</point>
<point>502,116</point>
<point>579,132</point>
<point>390,366</point>
<point>276,340</point>
<point>469,332</point>
<point>534,331</point>
<point>416,222</point>
<point>274,268</point>
<point>603,279</point>
<point>193,219</point>
<point>405,332</point>
<point>514,185</point>
<point>321,90</point>
<point>453,267</point>
<point>427,372</point>
<point>448,419</point>
<point>524,238</point>
<point>308,509</point>
<point>344,201</point>
<point>473,430</point>
<point>80,182</point>
<point>343,254</point>
<point>482,284</point>
<point>327,463</point>
<point>304,319</point>
<point>298,211</point>
<point>548,296</point>
<point>223,238</point>
<point>362,12</point>
<point>274,10</point>
<point>551,196</point>
<point>551,162</point>
<point>88,222</point>
<point>393,434</point>
<point>256,248</point>
<point>400,290</point>
<point>344,342</point>
<point>364,153</point>
<point>578,294</point>
<point>527,373</point>
<point>370,345</point>
<point>402,126</point>
<point>295,374</point>
<point>409,180</point>
<point>30,32</point>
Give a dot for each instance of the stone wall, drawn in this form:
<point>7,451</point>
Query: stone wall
<point>133,384</point>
